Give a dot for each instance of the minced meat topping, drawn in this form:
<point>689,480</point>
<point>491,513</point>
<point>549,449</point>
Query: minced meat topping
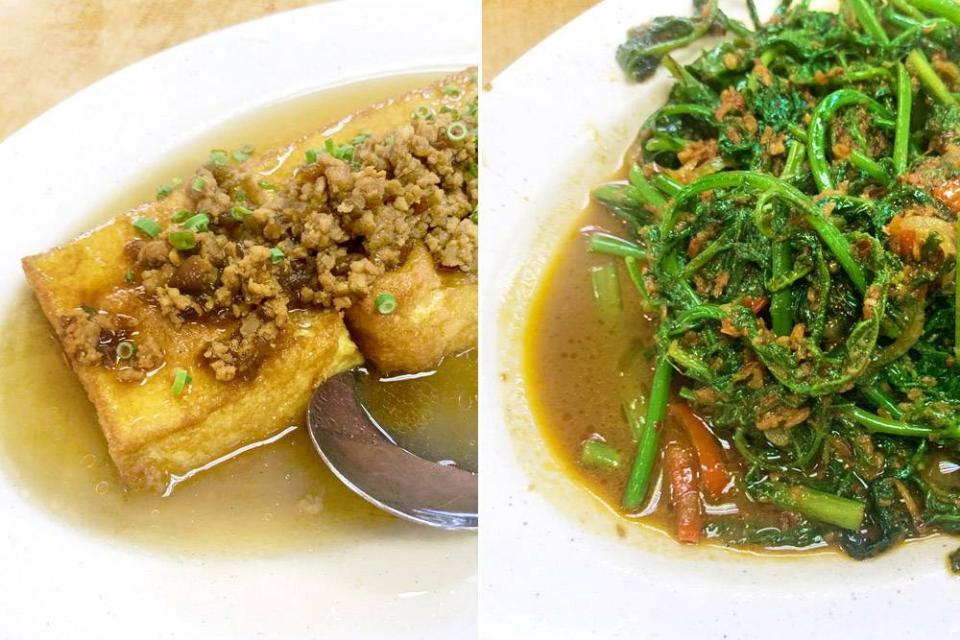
<point>350,213</point>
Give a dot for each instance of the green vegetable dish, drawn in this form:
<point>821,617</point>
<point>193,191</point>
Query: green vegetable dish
<point>788,223</point>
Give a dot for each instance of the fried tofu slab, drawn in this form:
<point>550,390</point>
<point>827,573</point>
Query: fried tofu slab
<point>436,315</point>
<point>153,435</point>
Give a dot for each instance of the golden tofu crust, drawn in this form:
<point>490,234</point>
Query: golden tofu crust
<point>436,315</point>
<point>151,433</point>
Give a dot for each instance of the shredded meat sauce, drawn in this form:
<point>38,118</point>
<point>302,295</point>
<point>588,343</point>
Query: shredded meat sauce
<point>340,223</point>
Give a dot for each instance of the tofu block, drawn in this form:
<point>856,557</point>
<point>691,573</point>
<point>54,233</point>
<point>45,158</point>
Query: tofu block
<point>153,435</point>
<point>436,315</point>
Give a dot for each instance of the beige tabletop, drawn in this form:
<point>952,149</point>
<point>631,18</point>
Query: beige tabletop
<point>50,49</point>
<point>510,27</point>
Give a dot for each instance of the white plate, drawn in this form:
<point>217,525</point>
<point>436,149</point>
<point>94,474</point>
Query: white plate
<point>559,121</point>
<point>59,582</point>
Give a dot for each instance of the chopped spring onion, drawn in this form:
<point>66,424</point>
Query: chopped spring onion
<point>181,378</point>
<point>606,291</point>
<point>311,156</point>
<point>128,275</point>
<point>126,349</point>
<point>451,90</point>
<point>599,455</point>
<point>149,226</point>
<point>90,311</point>
<point>338,151</point>
<point>219,157</point>
<point>360,138</point>
<point>166,189</point>
<point>182,240</point>
<point>199,222</point>
<point>276,255</point>
<point>475,215</point>
<point>267,185</point>
<point>199,183</point>
<point>239,213</point>
<point>424,112</point>
<point>457,131</point>
<point>243,153</point>
<point>385,303</point>
<point>181,215</point>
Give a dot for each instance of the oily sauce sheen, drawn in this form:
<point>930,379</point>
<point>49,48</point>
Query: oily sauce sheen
<point>272,499</point>
<point>579,373</point>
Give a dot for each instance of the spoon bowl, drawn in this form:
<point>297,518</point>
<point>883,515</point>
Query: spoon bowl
<point>363,456</point>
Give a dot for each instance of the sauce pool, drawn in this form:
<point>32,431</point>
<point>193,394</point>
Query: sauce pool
<point>277,498</point>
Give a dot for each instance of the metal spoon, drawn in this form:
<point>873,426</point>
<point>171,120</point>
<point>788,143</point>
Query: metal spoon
<point>361,454</point>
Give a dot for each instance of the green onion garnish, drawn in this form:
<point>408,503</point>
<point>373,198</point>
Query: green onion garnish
<point>424,112</point>
<point>239,213</point>
<point>475,216</point>
<point>219,157</point>
<point>360,138</point>
<point>264,184</point>
<point>311,156</point>
<point>126,349</point>
<point>451,90</point>
<point>385,303</point>
<point>181,215</point>
<point>181,378</point>
<point>166,189</point>
<point>182,240</point>
<point>340,152</point>
<point>456,131</point>
<point>276,255</point>
<point>90,311</point>
<point>198,183</point>
<point>243,153</point>
<point>148,226</point>
<point>239,194</point>
<point>199,222</point>
<point>128,275</point>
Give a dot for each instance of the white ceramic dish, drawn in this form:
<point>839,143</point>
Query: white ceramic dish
<point>564,115</point>
<point>57,581</point>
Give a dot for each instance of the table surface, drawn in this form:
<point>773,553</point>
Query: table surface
<point>50,49</point>
<point>511,27</point>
